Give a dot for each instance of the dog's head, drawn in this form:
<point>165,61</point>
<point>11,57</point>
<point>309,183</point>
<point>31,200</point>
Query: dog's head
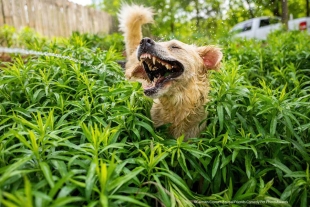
<point>167,66</point>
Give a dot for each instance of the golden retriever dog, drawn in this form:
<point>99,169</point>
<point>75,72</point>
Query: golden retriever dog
<point>172,73</point>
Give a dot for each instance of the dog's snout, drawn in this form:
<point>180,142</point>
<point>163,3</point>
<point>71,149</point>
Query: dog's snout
<point>147,45</point>
<point>147,41</point>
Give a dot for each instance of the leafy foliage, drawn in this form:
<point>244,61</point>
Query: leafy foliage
<point>79,134</point>
<point>209,19</point>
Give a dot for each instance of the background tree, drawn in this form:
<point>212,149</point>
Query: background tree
<point>191,20</point>
<point>285,14</point>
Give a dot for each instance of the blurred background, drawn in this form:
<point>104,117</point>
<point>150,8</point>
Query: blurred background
<point>185,20</point>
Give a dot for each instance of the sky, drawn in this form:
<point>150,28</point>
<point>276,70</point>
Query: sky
<point>82,2</point>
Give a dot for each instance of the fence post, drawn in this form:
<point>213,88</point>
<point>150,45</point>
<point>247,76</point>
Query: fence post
<point>53,17</point>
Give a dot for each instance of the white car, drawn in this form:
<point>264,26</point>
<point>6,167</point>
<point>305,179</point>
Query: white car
<point>260,27</point>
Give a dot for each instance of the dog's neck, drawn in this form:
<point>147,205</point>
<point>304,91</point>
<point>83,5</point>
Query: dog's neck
<point>184,109</point>
<point>189,98</point>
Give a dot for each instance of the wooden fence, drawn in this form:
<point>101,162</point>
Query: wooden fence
<point>54,17</point>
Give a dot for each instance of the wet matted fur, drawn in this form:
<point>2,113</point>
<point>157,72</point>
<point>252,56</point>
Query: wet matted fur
<point>173,73</point>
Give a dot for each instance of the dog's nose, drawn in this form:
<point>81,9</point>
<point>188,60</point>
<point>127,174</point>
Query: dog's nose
<point>147,42</point>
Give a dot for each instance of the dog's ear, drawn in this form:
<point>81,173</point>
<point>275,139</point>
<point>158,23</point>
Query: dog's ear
<point>211,56</point>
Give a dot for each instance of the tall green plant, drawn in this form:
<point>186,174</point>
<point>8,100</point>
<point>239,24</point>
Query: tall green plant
<point>77,133</point>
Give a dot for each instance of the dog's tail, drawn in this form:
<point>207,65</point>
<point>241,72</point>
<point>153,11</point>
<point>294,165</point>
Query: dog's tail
<point>131,18</point>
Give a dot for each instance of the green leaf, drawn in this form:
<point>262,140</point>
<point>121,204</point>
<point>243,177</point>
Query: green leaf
<point>162,191</point>
<point>127,199</point>
<point>273,125</point>
<point>59,184</point>
<point>259,127</point>
<point>264,190</point>
<point>177,180</point>
<point>234,155</point>
<point>271,140</point>
<point>215,166</point>
<point>296,174</point>
<point>279,165</point>
<point>289,124</point>
<point>13,169</point>
<point>248,166</point>
<point>120,181</point>
<point>90,179</point>
<point>182,162</point>
<point>304,199</point>
<point>28,192</point>
<point>46,170</point>
<point>251,186</point>
<point>147,127</point>
<point>66,200</point>
<point>226,161</point>
<point>220,113</point>
<point>198,168</point>
<point>289,190</point>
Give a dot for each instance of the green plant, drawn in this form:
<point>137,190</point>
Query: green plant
<point>7,34</point>
<point>77,133</point>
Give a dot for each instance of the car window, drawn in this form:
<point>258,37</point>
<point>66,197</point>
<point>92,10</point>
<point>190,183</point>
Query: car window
<point>266,22</point>
<point>274,20</point>
<point>247,26</point>
<point>242,27</point>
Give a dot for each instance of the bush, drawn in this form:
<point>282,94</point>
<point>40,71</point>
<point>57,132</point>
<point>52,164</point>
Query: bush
<point>76,133</point>
<point>103,42</point>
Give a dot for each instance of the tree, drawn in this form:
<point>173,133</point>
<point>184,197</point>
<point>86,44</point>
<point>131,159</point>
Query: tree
<point>285,14</point>
<point>185,19</point>
<point>250,9</point>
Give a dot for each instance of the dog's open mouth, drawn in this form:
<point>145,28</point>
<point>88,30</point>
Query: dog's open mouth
<point>159,71</point>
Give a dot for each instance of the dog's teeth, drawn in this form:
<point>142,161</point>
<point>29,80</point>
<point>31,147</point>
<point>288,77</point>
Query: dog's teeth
<point>145,55</point>
<point>168,66</point>
<point>154,60</point>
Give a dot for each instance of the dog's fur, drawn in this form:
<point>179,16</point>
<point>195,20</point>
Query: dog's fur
<point>179,99</point>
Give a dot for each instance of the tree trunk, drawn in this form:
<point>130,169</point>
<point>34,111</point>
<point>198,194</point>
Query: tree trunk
<point>197,13</point>
<point>285,14</point>
<point>172,27</point>
<point>250,10</point>
<point>307,8</point>
<point>276,9</point>
<point>172,20</point>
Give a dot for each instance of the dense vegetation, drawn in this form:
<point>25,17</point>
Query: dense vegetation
<point>78,134</point>
<point>193,19</point>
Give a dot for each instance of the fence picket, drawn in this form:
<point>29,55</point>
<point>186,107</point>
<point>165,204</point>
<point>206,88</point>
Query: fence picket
<point>53,17</point>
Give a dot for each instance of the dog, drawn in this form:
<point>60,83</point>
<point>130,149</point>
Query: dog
<point>172,73</point>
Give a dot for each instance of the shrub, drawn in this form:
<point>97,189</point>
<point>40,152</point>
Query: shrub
<point>77,133</point>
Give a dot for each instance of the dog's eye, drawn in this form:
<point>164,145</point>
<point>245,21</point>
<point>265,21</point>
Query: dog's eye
<point>175,47</point>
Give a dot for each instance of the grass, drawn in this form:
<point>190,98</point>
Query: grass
<point>76,134</point>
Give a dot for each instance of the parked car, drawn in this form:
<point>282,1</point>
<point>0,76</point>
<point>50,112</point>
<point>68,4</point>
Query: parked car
<point>260,27</point>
